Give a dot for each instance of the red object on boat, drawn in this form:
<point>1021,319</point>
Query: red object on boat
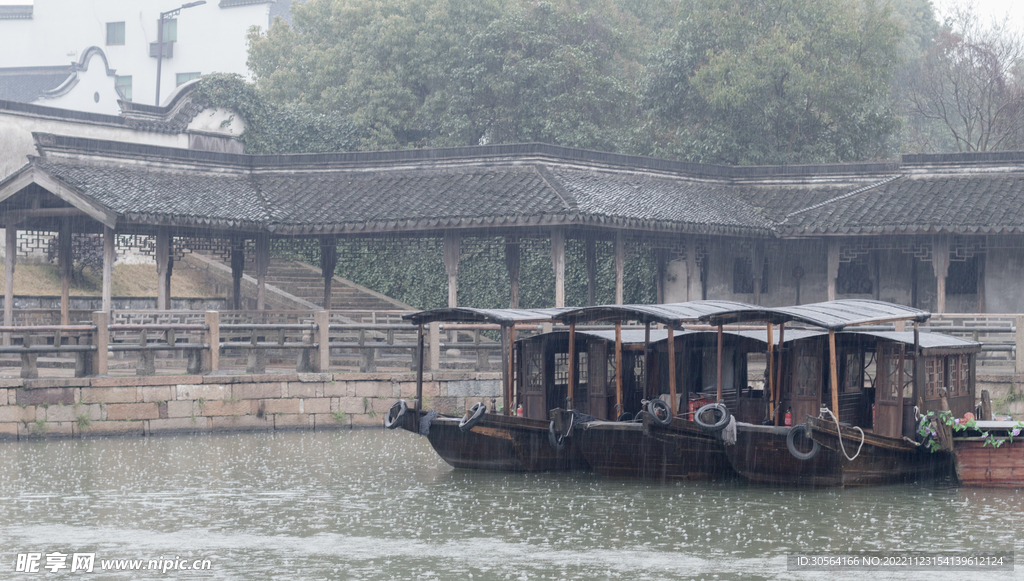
<point>519,410</point>
<point>788,418</point>
<point>697,402</point>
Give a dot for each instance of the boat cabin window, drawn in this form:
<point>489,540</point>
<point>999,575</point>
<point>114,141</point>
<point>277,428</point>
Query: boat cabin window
<point>853,372</point>
<point>958,370</point>
<point>807,377</point>
<point>934,377</point>
<point>890,372</point>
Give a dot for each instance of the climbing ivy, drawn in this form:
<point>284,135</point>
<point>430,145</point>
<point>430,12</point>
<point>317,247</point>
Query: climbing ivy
<point>274,128</point>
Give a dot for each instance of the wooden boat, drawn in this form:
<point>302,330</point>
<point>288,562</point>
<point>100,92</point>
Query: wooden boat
<point>669,447</point>
<point>483,439</point>
<point>856,390</point>
<point>979,463</point>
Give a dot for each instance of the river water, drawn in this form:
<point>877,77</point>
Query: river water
<point>375,504</point>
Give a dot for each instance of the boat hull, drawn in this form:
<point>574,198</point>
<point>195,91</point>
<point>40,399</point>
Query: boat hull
<point>980,465</point>
<point>639,450</point>
<point>882,459</point>
<point>497,442</point>
<point>761,455</point>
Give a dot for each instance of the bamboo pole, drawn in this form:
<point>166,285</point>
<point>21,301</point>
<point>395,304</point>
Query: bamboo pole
<point>719,390</point>
<point>833,372</point>
<point>618,369</point>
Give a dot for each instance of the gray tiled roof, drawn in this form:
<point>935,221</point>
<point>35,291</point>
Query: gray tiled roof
<point>25,85</point>
<point>154,195</point>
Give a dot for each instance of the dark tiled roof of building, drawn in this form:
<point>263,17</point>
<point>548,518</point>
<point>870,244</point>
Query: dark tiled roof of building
<point>969,203</point>
<point>26,84</point>
<point>535,185</point>
<point>282,9</point>
<point>163,196</point>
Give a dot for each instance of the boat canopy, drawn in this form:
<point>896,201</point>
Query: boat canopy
<point>673,314</point>
<point>830,315</point>
<point>503,317</point>
<point>931,343</point>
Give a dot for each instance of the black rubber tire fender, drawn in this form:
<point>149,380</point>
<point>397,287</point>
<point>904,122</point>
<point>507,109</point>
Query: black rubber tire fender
<point>791,443</point>
<point>556,440</point>
<point>660,412</point>
<point>473,417</point>
<point>393,418</point>
<point>717,426</point>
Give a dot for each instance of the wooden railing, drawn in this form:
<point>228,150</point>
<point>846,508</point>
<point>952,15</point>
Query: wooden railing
<point>151,342</point>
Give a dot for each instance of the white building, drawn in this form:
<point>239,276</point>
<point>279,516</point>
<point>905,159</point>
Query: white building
<point>85,54</point>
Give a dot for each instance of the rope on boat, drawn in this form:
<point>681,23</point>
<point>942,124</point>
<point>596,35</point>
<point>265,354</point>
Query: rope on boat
<point>839,433</point>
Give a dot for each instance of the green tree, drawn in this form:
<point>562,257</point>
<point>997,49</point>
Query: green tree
<point>416,73</point>
<point>775,81</point>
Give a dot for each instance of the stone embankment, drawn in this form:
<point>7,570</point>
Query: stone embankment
<point>104,406</point>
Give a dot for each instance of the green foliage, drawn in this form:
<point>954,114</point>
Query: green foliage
<point>418,73</point>
<point>927,432</point>
<point>278,128</point>
<point>775,81</point>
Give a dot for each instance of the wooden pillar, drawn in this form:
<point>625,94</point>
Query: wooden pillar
<point>64,264</point>
<point>757,269</point>
<point>512,267</point>
<point>833,267</point>
<point>435,346</point>
<point>237,270</point>
<point>771,361</point>
<point>618,369</point>
<point>660,267</point>
<point>1019,343</point>
<point>101,339</point>
<point>510,378</point>
<point>451,265</point>
<point>163,277</point>
<point>328,262</point>
<point>620,265</point>
<point>262,265</point>
<point>833,372</point>
<point>572,365</point>
<point>11,258</point>
<point>558,263</point>
<point>211,356</point>
<point>775,397</point>
<point>718,393</point>
<point>108,266</point>
<point>981,258</point>
<point>940,264</point>
<point>419,372</point>
<point>591,270</point>
<point>672,406</point>
<point>322,319</point>
<point>693,286</point>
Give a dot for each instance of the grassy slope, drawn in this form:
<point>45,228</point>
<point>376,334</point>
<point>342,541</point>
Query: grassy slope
<point>129,280</point>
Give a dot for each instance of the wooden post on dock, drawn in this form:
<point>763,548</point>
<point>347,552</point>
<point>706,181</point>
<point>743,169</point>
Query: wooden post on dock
<point>777,394</point>
<point>419,371</point>
<point>109,256</point>
<point>322,362</point>
<point>101,339</point>
<point>718,393</point>
<point>211,356</point>
<point>618,369</point>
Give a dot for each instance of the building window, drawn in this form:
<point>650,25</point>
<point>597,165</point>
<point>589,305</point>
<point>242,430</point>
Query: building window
<point>124,87</point>
<point>962,277</point>
<point>171,30</point>
<point>854,278</point>
<point>743,276</point>
<point>183,78</point>
<point>115,33</point>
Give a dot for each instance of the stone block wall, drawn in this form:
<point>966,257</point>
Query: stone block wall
<point>114,406</point>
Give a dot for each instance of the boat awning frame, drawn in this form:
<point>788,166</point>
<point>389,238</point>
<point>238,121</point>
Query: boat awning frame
<point>829,315</point>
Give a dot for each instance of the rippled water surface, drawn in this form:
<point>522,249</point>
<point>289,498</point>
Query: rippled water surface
<point>378,504</point>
